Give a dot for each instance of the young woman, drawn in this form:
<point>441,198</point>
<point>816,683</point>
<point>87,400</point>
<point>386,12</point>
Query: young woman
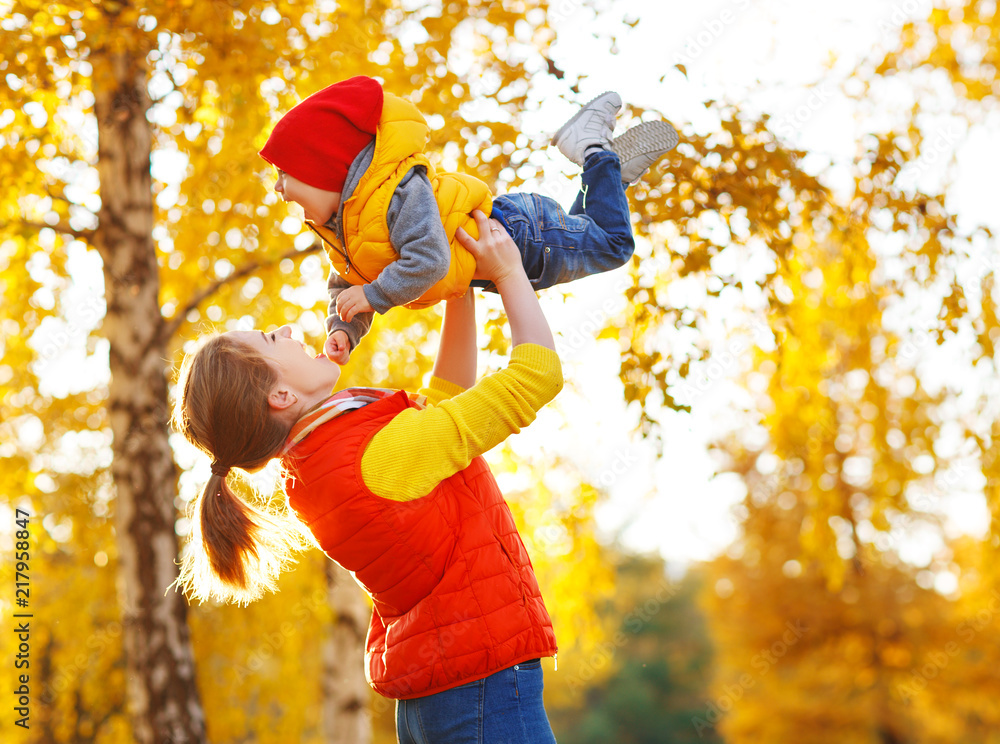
<point>393,488</point>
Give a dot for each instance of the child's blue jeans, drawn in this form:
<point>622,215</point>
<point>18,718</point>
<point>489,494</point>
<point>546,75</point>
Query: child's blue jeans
<point>504,708</point>
<point>557,247</point>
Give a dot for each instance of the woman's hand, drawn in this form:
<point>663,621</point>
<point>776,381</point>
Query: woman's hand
<point>497,256</point>
<point>499,261</point>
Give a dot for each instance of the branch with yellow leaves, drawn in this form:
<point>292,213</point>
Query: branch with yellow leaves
<point>169,329</point>
<point>60,227</point>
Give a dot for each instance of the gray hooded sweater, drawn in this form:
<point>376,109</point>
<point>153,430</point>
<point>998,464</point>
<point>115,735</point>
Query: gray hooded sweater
<point>417,235</point>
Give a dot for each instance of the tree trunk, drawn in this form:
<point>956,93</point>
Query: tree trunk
<point>346,715</point>
<point>163,700</point>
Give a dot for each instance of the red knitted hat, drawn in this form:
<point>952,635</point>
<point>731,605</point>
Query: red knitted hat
<point>317,140</point>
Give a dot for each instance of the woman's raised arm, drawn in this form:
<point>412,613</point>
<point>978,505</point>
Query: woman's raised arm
<point>420,448</point>
<point>499,260</point>
<point>456,357</point>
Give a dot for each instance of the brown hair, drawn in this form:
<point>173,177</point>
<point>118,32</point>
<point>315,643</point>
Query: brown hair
<point>236,551</point>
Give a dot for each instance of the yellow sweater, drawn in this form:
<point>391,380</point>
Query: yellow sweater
<point>419,448</point>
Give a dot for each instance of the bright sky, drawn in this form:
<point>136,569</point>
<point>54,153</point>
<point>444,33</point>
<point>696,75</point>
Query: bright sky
<point>786,58</point>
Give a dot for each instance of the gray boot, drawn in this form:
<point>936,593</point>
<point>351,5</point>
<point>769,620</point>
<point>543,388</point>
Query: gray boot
<point>592,126</point>
<point>641,146</point>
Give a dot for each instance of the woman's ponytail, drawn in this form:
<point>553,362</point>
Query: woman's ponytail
<point>237,551</point>
<point>227,531</point>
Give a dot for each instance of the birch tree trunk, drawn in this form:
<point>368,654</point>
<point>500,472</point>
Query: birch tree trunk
<point>163,699</point>
<point>346,714</point>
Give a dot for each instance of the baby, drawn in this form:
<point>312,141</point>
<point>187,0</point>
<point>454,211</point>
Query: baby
<point>352,156</point>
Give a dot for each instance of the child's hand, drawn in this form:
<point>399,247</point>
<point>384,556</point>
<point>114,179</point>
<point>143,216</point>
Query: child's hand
<point>352,301</point>
<point>496,254</point>
<point>337,347</point>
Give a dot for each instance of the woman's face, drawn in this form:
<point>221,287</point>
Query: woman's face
<point>309,377</point>
<point>318,205</point>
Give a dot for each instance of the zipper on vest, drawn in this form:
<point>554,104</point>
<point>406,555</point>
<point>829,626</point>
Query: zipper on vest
<point>342,253</point>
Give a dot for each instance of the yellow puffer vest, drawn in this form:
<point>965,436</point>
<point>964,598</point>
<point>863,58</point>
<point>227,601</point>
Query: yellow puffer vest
<point>399,142</point>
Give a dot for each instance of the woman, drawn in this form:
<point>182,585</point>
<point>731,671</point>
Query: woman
<point>396,492</point>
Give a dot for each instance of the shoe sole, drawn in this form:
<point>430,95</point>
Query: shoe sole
<point>578,114</point>
<point>644,138</point>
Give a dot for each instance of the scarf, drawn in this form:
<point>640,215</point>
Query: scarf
<point>338,404</point>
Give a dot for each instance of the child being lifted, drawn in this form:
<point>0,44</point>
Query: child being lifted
<point>352,156</point>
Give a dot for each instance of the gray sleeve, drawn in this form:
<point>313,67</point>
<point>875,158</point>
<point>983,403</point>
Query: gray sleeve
<point>357,327</point>
<point>417,234</point>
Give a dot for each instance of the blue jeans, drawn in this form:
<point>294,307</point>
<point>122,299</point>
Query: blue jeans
<point>504,708</point>
<point>557,247</point>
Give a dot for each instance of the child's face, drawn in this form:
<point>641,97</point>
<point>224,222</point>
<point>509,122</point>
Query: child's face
<point>319,205</point>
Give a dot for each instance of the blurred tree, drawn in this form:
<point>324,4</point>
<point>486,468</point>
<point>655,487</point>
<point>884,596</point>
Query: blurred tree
<point>957,39</point>
<point>261,669</point>
<point>76,666</point>
<point>657,662</point>
<point>734,189</point>
<point>951,686</point>
<point>740,195</point>
<point>960,43</point>
<point>823,632</point>
<point>798,662</point>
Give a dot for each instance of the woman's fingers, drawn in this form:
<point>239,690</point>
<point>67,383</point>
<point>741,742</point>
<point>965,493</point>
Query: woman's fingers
<point>495,252</point>
<point>482,222</point>
<point>466,240</point>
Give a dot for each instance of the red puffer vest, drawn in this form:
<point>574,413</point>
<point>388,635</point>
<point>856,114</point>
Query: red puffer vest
<point>455,597</point>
